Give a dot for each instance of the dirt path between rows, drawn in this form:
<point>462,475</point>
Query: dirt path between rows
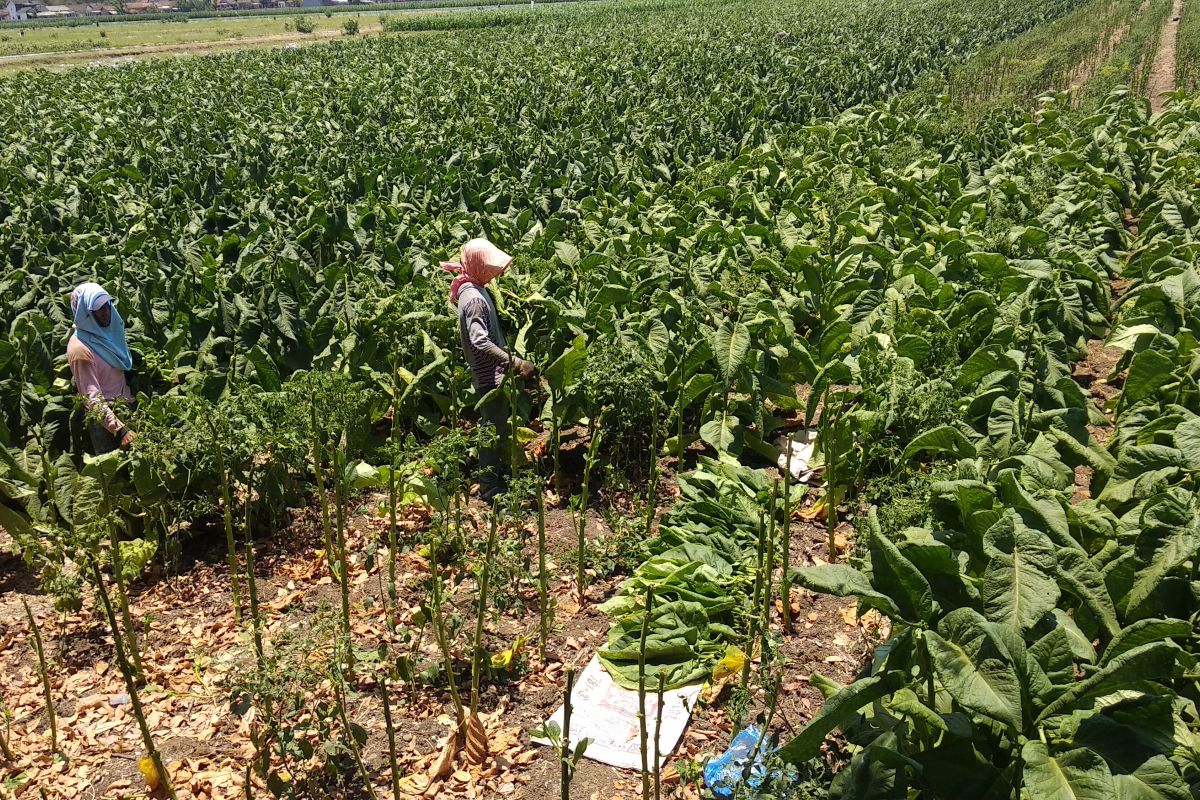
<point>1162,75</point>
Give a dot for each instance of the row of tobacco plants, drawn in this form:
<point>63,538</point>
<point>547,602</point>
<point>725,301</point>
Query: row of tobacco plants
<point>269,243</point>
<point>1035,555</point>
<point>269,253</point>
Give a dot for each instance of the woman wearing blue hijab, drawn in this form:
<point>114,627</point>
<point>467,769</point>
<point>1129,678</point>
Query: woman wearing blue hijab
<point>99,358</point>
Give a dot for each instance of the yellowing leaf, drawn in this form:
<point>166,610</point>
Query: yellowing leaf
<point>730,664</point>
<point>505,658</point>
<point>149,772</point>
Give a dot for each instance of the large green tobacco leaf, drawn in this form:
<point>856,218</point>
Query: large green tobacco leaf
<point>1129,728</point>
<point>1187,440</point>
<point>566,370</point>
<point>1127,336</point>
<point>730,344</point>
<point>1079,576</point>
<point>956,768</point>
<point>723,433</point>
<point>1170,536</point>
<point>896,576</point>
<point>1036,687</point>
<point>1149,372</point>
<point>1144,632</point>
<point>1154,779</point>
<point>681,645</point>
<point>879,771</point>
<point>1074,775</point>
<point>1019,585</point>
<point>838,710</point>
<point>842,580</point>
<point>974,668</point>
<point>1055,656</point>
<point>14,520</point>
<point>967,505</point>
<point>942,439</point>
<point>1153,661</point>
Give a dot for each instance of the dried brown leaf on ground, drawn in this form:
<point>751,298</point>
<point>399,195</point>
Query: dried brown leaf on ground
<point>476,740</point>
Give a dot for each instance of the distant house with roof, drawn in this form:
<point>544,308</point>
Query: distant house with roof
<point>15,10</point>
<point>51,12</point>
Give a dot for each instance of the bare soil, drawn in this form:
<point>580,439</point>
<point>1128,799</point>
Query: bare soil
<point>1097,374</point>
<point>195,655</point>
<point>1162,74</point>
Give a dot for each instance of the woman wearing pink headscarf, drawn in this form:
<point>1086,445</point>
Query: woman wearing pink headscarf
<point>484,346</point>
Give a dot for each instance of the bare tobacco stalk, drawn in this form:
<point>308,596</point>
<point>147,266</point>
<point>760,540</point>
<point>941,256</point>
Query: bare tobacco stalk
<point>565,753</point>
<point>772,705</point>
<point>785,580</point>
<point>392,492</point>
<point>590,460</point>
<point>480,612</point>
<point>511,390</point>
<point>119,579</point>
<point>652,482</point>
<point>39,650</point>
<point>385,697</point>
<point>546,618</point>
<point>392,547</point>
<point>123,601</point>
<point>556,444</point>
<point>439,625</point>
<point>227,506</point>
<point>769,562</point>
<point>364,773</point>
<point>251,583</point>
<point>679,421</point>
<point>6,735</point>
<point>318,451</point>
<point>657,736</point>
<point>131,684</point>
<point>755,614</point>
<point>642,734</point>
<point>340,501</point>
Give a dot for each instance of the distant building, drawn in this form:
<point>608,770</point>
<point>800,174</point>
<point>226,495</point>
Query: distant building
<point>99,10</point>
<point>16,10</point>
<point>56,11</point>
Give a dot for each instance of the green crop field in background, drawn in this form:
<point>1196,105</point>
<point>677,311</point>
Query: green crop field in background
<point>181,33</point>
<point>889,223</point>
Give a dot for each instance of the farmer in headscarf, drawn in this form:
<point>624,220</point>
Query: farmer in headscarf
<point>99,358</point>
<point>485,348</point>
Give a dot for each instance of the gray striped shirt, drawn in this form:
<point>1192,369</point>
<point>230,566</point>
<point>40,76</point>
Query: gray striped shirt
<point>482,340</point>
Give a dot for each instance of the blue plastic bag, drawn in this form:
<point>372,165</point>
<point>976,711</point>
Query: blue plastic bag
<point>725,772</point>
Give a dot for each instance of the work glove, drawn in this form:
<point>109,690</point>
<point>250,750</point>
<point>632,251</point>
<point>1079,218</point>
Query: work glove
<point>525,369</point>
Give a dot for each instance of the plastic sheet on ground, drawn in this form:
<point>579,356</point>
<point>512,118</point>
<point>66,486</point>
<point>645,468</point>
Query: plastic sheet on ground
<point>803,443</point>
<point>608,715</point>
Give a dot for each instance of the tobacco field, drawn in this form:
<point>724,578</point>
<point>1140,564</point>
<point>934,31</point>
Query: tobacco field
<point>955,244</point>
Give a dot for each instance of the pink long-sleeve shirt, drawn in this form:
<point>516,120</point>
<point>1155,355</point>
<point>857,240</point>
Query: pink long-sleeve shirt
<point>97,381</point>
